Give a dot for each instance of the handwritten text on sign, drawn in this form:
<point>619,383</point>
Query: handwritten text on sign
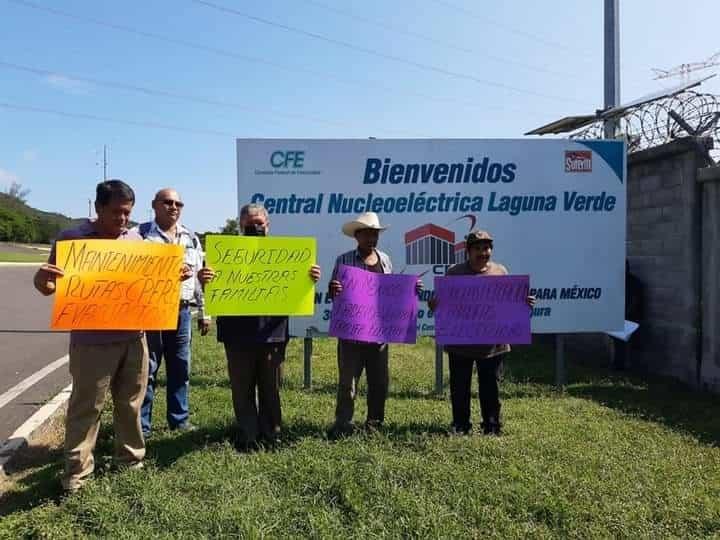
<point>260,276</point>
<point>487,310</point>
<point>114,285</point>
<point>375,308</point>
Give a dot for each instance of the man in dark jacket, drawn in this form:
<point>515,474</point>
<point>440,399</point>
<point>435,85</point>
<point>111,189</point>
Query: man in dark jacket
<point>255,349</point>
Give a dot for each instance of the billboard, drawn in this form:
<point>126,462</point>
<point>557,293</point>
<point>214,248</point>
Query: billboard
<point>556,208</point>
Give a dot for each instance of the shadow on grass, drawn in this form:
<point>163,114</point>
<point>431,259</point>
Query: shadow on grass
<point>42,485</point>
<point>531,372</point>
<point>321,388</point>
<point>164,452</point>
<point>38,487</point>
<point>660,400</point>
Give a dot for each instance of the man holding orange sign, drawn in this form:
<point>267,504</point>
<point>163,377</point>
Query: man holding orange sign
<point>106,296</point>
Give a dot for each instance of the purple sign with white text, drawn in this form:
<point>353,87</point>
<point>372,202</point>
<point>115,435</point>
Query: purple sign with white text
<point>374,308</point>
<point>482,310</point>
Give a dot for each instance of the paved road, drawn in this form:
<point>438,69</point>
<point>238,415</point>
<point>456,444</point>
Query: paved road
<point>26,346</point>
<point>11,247</point>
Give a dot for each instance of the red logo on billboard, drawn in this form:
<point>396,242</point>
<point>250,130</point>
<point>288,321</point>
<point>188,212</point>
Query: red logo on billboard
<point>432,244</point>
<point>578,161</point>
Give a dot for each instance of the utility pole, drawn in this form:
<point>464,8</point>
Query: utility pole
<point>612,63</point>
<point>611,77</point>
<point>104,162</point>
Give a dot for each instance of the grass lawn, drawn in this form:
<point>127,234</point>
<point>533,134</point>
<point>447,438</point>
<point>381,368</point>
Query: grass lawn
<point>39,257</point>
<point>609,457</point>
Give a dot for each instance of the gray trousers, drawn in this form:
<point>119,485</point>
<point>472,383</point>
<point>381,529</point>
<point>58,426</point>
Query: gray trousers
<point>353,358</point>
<point>254,372</point>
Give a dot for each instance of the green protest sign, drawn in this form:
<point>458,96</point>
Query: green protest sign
<point>260,275</point>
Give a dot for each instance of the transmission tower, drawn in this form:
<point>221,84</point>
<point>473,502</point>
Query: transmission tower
<point>684,70</point>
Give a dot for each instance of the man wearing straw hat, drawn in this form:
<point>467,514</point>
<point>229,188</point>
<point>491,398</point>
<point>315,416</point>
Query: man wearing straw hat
<point>355,356</point>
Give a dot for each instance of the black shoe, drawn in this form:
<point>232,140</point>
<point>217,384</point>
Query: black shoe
<point>271,441</point>
<point>492,427</point>
<point>460,430</point>
<point>373,426</point>
<point>338,432</point>
<point>245,447</point>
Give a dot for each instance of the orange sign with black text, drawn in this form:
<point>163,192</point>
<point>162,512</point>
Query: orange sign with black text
<point>117,285</point>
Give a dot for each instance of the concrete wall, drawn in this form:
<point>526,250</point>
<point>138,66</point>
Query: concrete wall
<point>673,246</point>
<point>710,361</point>
<point>663,247</point>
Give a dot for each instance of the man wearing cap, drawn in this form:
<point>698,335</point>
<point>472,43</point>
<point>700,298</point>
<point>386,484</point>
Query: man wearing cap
<point>174,345</point>
<point>255,349</point>
<point>355,356</point>
<point>487,358</point>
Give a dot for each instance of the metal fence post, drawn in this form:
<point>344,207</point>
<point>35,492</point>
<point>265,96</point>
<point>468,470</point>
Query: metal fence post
<point>560,371</point>
<point>438,369</point>
<point>307,365</point>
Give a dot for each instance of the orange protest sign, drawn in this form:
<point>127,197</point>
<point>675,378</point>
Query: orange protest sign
<point>117,285</point>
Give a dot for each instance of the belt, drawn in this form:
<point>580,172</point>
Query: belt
<point>184,304</point>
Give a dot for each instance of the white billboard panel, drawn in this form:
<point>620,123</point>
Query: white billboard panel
<point>556,209</point>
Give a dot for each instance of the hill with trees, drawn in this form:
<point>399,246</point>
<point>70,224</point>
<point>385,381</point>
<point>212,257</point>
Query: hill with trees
<point>20,222</point>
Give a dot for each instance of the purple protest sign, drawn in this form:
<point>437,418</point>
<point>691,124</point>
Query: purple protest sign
<point>482,310</point>
<point>374,308</point>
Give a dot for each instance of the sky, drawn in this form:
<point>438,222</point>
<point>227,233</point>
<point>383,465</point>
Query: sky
<point>167,87</point>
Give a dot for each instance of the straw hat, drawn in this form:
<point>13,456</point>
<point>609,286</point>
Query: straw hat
<point>368,220</point>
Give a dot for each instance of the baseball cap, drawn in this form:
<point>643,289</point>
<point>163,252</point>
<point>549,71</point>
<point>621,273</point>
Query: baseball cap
<point>477,236</point>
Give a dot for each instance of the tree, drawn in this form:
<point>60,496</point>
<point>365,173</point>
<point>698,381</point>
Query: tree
<point>231,227</point>
<point>17,192</point>
<point>202,235</point>
<point>16,227</point>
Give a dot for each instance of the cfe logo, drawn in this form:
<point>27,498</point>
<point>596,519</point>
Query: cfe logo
<point>578,161</point>
<point>287,159</point>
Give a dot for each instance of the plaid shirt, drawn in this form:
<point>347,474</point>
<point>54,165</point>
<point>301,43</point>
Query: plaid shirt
<point>190,289</point>
<point>353,258</point>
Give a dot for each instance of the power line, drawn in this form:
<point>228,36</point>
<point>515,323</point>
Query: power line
<point>162,93</point>
<point>380,54</point>
<point>185,97</point>
<point>278,65</point>
<point>136,123</point>
<point>429,39</point>
<point>522,33</point>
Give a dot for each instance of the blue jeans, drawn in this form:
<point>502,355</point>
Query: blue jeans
<point>174,345</point>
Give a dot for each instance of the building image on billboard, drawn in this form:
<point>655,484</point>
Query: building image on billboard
<point>460,253</point>
<point>430,244</point>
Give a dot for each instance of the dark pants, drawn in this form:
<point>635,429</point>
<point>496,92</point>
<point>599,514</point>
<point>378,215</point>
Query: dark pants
<point>174,346</point>
<point>489,374</point>
<point>254,372</point>
<point>353,359</point>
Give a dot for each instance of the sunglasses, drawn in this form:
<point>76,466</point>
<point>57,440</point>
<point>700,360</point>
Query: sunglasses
<point>171,203</point>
